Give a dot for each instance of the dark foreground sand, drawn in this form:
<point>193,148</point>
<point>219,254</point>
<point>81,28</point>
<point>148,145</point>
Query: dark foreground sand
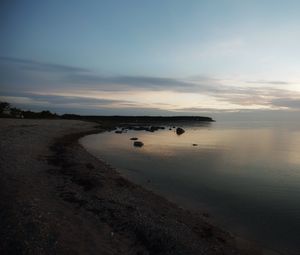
<point>58,199</point>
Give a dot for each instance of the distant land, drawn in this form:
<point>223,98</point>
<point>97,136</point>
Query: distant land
<point>139,118</point>
<point>7,111</point>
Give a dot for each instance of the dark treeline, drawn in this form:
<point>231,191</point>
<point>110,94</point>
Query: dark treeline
<point>7,111</point>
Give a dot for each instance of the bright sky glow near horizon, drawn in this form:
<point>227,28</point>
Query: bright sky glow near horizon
<point>167,57</point>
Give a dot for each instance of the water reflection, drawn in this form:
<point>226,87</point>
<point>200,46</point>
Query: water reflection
<point>247,174</point>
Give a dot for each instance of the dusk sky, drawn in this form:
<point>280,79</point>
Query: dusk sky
<point>166,57</point>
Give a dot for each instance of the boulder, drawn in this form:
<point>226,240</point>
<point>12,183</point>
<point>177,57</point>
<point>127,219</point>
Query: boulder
<point>179,131</point>
<point>133,138</point>
<point>138,144</point>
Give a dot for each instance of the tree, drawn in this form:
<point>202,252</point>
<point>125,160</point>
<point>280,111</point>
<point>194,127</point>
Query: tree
<point>16,113</point>
<point>4,108</point>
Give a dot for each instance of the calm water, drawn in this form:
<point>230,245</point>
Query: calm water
<point>246,175</point>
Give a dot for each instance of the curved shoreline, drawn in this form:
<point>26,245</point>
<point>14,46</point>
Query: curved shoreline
<point>75,203</point>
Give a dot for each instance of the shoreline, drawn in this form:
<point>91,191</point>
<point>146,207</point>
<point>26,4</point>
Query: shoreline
<point>86,207</point>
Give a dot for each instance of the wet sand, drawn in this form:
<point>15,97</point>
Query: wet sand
<point>56,198</point>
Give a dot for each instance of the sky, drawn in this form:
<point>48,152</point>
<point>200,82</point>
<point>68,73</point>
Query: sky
<point>159,57</point>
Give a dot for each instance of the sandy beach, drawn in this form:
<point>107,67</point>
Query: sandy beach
<point>58,199</point>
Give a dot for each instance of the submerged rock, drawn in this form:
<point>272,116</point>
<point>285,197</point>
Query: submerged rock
<point>179,131</point>
<point>139,128</point>
<point>133,138</point>
<point>194,144</point>
<point>145,128</point>
<point>155,128</point>
<point>138,144</point>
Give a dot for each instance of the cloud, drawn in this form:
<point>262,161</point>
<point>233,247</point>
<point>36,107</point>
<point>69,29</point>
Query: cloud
<point>270,82</point>
<point>64,100</point>
<point>28,74</point>
<point>262,97</point>
<point>40,66</point>
<point>57,99</point>
<point>197,110</point>
<point>129,82</point>
<point>75,77</point>
<point>81,105</point>
<point>287,102</point>
<point>53,83</point>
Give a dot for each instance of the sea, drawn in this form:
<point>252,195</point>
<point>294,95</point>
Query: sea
<point>244,174</point>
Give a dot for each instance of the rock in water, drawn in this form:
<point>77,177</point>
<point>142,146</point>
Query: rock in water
<point>179,131</point>
<point>138,144</point>
<point>133,138</point>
